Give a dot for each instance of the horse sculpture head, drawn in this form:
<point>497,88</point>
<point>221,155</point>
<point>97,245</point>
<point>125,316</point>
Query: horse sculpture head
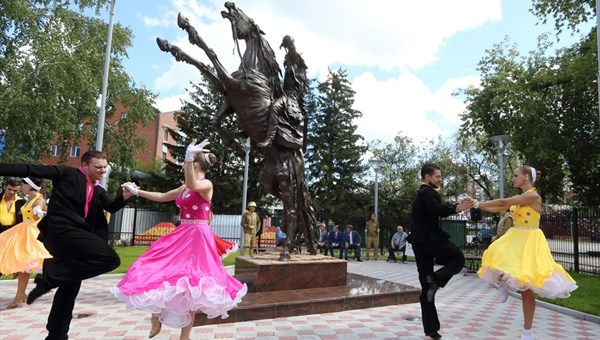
<point>259,55</point>
<point>242,26</point>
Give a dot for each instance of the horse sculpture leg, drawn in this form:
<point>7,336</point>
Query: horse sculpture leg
<point>196,39</point>
<point>180,55</point>
<point>289,219</point>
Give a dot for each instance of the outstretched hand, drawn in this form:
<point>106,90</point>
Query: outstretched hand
<point>193,149</point>
<point>466,204</point>
<point>130,188</point>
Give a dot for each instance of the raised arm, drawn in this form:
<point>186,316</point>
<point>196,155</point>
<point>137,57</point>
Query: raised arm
<point>168,196</point>
<point>532,199</point>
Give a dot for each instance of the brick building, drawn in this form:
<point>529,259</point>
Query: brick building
<point>155,134</point>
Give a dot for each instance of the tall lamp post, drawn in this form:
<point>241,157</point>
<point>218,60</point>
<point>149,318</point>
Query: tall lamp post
<point>501,142</point>
<point>376,164</point>
<point>102,111</point>
<point>246,146</point>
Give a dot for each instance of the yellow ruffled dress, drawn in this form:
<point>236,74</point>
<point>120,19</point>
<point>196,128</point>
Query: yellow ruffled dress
<point>522,259</point>
<point>20,251</point>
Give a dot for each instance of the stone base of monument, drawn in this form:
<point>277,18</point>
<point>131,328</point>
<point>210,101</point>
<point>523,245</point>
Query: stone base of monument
<point>306,284</point>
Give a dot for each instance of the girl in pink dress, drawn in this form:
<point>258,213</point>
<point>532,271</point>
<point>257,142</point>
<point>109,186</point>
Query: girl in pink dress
<point>182,273</point>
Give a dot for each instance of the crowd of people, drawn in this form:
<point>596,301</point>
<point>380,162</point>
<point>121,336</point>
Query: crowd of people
<point>64,241</point>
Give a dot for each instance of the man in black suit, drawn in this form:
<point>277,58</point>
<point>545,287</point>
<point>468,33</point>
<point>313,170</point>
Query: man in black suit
<point>74,231</point>
<point>335,240</point>
<point>10,205</point>
<point>429,242</point>
<point>352,240</point>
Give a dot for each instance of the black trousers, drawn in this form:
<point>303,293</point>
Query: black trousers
<point>425,255</point>
<point>392,255</point>
<point>77,255</point>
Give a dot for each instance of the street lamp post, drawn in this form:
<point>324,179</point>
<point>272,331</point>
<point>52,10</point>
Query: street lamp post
<point>501,142</point>
<point>376,164</point>
<point>246,146</point>
<point>102,111</point>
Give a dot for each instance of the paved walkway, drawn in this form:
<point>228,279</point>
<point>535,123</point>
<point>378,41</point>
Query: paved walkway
<point>467,308</point>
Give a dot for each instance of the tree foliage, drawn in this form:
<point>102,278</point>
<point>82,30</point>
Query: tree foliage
<point>564,12</point>
<point>548,104</point>
<point>398,179</point>
<point>51,66</point>
<point>333,158</point>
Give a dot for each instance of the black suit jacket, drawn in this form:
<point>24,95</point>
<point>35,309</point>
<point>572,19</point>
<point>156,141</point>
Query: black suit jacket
<point>18,204</point>
<point>356,239</point>
<point>67,203</point>
<point>427,209</point>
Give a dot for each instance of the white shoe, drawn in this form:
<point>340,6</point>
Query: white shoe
<point>502,292</point>
<point>528,337</point>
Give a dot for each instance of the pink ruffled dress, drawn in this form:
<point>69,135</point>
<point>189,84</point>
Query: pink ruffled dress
<point>182,271</point>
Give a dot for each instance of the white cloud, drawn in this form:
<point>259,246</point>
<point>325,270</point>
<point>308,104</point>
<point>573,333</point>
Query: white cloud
<point>171,103</point>
<point>405,105</point>
<point>383,36</point>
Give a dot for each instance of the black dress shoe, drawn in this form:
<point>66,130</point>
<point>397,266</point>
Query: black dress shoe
<point>433,287</point>
<point>358,260</point>
<point>40,289</point>
<point>434,335</point>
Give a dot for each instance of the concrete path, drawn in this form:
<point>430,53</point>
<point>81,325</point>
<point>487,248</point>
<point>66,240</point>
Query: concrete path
<point>468,309</point>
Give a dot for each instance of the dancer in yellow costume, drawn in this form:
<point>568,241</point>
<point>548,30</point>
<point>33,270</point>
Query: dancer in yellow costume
<point>521,259</point>
<point>20,251</point>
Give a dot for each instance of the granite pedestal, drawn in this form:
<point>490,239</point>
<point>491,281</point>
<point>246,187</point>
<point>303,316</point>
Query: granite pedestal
<point>307,284</point>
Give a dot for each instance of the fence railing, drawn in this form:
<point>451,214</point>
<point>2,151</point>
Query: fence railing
<point>573,236</point>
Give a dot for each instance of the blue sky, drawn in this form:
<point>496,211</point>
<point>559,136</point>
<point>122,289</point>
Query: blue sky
<point>404,58</point>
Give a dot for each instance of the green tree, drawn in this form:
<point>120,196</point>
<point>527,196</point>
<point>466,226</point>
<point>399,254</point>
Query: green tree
<point>549,105</point>
<point>398,179</point>
<point>333,158</point>
<point>51,66</point>
<point>564,12</point>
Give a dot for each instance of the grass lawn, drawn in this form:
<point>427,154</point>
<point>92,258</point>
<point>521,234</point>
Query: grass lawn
<point>585,298</point>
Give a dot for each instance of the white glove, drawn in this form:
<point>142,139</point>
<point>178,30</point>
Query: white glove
<point>38,211</point>
<point>193,149</point>
<point>130,187</point>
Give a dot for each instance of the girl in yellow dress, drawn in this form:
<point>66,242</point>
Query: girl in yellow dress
<point>20,251</point>
<point>521,259</point>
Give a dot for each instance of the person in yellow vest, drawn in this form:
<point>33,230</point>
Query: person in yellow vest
<point>10,204</point>
<point>250,224</point>
<point>20,251</point>
<point>372,236</point>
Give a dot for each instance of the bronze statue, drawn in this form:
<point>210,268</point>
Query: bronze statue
<point>270,114</point>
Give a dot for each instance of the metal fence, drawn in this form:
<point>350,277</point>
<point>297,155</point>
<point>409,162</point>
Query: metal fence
<point>573,235</point>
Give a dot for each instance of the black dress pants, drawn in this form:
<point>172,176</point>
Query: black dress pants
<point>425,255</point>
<point>77,255</point>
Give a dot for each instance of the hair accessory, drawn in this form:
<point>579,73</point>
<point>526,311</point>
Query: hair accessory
<point>31,184</point>
<point>207,157</point>
<point>533,174</point>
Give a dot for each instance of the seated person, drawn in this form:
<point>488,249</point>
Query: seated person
<point>321,238</point>
<point>335,240</point>
<point>352,240</point>
<point>279,237</point>
<point>398,243</point>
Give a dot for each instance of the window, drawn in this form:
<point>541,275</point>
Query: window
<point>164,156</point>
<point>165,133</point>
<point>75,151</point>
<point>54,150</point>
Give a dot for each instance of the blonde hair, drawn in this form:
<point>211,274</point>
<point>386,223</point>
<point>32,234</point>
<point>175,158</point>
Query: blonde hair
<point>533,174</point>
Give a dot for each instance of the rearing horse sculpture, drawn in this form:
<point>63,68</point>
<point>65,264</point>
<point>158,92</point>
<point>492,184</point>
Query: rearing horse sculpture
<point>268,111</point>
